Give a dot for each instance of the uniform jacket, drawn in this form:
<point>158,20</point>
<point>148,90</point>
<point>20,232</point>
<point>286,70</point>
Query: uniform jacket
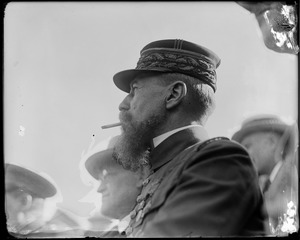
<point>199,188</point>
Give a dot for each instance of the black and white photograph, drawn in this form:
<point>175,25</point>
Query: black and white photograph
<point>150,119</point>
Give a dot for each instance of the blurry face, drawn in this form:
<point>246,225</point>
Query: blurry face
<point>142,112</point>
<point>261,149</point>
<point>119,192</point>
<point>16,201</point>
<point>24,212</point>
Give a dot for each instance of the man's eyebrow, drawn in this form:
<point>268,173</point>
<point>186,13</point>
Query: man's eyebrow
<point>12,188</point>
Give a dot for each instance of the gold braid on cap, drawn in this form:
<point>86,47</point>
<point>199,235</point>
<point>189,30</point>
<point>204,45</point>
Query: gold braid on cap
<point>195,65</point>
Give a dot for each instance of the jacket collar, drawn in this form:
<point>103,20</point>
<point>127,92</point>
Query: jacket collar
<point>175,144</point>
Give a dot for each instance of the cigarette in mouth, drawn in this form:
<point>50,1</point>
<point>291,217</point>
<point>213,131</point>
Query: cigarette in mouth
<point>111,125</point>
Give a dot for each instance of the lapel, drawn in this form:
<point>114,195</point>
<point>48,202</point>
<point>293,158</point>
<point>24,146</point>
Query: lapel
<point>175,144</point>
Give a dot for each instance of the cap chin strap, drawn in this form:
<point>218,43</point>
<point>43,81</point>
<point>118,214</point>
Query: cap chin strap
<point>275,171</point>
<point>271,177</point>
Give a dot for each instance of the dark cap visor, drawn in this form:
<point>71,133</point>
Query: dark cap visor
<point>123,79</point>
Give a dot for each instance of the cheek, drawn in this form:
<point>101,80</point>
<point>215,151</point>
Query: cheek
<point>261,156</point>
<point>253,153</point>
<point>148,101</point>
<point>145,110</point>
<point>108,199</point>
<point>115,185</point>
<point>125,184</point>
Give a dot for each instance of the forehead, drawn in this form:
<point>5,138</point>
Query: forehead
<point>119,174</point>
<point>109,169</point>
<point>254,137</point>
<point>16,191</point>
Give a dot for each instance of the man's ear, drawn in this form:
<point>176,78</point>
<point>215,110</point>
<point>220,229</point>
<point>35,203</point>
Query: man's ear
<point>26,200</point>
<point>176,92</point>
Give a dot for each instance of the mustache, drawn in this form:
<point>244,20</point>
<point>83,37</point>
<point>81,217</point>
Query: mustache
<point>125,117</point>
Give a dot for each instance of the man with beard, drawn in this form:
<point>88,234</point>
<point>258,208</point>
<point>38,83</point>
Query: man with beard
<point>196,186</point>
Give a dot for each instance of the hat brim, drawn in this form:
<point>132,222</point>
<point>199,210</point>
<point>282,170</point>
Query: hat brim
<point>241,134</point>
<point>27,180</point>
<point>96,162</point>
<point>123,79</point>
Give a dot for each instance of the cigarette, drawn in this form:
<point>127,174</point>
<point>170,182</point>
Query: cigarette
<point>111,125</point>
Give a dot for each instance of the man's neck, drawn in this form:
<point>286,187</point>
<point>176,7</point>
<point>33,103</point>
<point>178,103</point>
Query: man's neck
<point>173,124</point>
<point>275,171</point>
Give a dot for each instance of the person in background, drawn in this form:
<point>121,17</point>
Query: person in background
<point>272,144</point>
<point>28,213</point>
<point>118,187</point>
<point>25,194</point>
<point>197,186</point>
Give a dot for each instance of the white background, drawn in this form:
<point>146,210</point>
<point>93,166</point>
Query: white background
<point>59,60</point>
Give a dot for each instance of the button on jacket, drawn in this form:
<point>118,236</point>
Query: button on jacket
<point>199,188</point>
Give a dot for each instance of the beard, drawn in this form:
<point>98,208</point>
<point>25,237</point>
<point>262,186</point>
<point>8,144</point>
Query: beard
<point>132,150</point>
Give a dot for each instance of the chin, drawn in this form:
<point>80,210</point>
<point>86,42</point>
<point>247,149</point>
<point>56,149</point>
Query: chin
<point>110,212</point>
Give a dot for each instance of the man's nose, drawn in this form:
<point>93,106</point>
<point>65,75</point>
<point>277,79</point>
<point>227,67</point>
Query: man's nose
<point>124,105</point>
<point>101,187</point>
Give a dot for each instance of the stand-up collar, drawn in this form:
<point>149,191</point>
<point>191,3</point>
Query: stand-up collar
<point>173,144</point>
<point>157,140</point>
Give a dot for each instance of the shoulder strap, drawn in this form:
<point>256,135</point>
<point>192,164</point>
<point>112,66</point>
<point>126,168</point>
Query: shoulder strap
<point>205,143</point>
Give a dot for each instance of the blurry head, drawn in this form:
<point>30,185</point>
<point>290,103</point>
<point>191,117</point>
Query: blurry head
<point>262,147</point>
<point>25,193</point>
<point>119,187</point>
<point>172,86</point>
<point>17,202</point>
<point>262,135</point>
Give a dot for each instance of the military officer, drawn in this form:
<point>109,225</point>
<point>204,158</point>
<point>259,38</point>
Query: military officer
<point>272,144</point>
<point>196,186</point>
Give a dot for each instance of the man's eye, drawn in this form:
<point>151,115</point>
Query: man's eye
<point>247,146</point>
<point>104,172</point>
<point>133,89</point>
